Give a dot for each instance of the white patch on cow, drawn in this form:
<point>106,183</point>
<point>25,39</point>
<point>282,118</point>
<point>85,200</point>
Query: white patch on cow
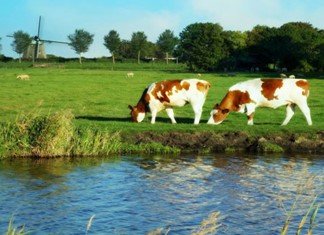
<point>211,119</point>
<point>159,94</point>
<point>140,117</point>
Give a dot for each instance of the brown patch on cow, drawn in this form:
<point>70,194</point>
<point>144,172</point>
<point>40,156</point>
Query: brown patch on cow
<point>185,85</point>
<point>269,87</point>
<point>304,85</point>
<point>143,102</point>
<point>164,89</point>
<point>203,87</point>
<point>234,99</point>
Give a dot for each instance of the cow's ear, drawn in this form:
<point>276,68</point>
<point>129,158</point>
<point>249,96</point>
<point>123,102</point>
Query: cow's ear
<point>130,107</point>
<point>225,111</point>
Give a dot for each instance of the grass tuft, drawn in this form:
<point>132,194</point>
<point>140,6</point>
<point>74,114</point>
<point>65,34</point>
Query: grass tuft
<point>52,136</point>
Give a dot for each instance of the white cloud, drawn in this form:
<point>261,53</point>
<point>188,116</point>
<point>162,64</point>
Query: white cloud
<point>238,14</point>
<point>245,14</point>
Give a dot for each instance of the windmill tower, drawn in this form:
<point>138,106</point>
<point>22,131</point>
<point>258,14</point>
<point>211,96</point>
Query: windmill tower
<point>31,50</point>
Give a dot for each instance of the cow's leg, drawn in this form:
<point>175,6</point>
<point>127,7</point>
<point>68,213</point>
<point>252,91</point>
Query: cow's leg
<point>170,113</point>
<point>153,112</point>
<point>250,119</point>
<point>306,111</point>
<point>197,108</point>
<point>250,110</point>
<point>290,110</point>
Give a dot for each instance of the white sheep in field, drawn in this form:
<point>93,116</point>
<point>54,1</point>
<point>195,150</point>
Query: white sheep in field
<point>130,75</point>
<point>23,77</point>
<point>292,76</point>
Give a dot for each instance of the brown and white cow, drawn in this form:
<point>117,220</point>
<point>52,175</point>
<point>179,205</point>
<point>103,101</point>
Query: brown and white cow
<point>245,97</point>
<point>169,93</point>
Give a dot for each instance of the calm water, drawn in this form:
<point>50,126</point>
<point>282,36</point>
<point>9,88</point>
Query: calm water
<point>135,195</point>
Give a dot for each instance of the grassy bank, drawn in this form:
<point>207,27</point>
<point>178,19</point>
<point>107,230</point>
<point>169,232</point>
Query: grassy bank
<point>56,135</point>
<point>93,102</point>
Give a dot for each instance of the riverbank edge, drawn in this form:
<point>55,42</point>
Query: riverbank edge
<point>214,142</point>
<point>174,143</point>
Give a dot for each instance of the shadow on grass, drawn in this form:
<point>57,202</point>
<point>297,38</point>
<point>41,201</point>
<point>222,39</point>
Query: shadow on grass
<point>104,119</point>
<point>128,119</point>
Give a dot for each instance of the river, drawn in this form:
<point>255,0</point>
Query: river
<point>136,194</point>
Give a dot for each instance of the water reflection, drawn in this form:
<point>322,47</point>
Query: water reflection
<point>134,195</point>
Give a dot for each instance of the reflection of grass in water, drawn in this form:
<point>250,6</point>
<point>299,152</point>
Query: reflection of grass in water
<point>209,225</point>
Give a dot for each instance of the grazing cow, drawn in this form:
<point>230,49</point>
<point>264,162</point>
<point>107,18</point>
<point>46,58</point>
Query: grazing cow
<point>245,97</point>
<point>23,77</point>
<point>169,93</point>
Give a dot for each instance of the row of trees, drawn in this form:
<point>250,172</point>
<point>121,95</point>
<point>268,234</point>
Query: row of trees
<point>295,46</point>
<point>207,47</point>
<point>81,40</point>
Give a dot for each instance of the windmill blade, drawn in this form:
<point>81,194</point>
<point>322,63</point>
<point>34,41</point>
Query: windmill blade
<point>36,38</point>
<point>52,41</point>
<point>39,25</point>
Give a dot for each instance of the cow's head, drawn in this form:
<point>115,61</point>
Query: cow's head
<point>218,115</point>
<point>137,116</point>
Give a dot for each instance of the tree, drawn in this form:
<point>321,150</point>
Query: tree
<point>301,45</point>
<point>235,49</point>
<point>201,46</point>
<point>112,42</point>
<point>21,42</point>
<point>125,49</point>
<point>138,43</point>
<point>167,42</point>
<point>263,46</point>
<point>80,41</point>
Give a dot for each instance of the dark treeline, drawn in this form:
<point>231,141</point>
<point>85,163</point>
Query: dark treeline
<point>293,46</point>
<point>208,47</point>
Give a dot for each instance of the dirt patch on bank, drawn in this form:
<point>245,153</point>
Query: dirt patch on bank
<point>235,141</point>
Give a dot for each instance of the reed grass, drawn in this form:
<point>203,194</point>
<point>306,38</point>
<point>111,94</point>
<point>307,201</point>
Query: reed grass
<point>12,230</point>
<point>207,226</point>
<point>89,224</point>
<point>311,212</point>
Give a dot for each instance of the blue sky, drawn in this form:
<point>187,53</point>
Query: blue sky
<point>61,17</point>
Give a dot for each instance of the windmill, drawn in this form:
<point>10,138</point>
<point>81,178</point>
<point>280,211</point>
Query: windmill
<point>36,49</point>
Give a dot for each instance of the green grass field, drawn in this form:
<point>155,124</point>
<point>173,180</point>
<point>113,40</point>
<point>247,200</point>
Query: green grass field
<point>99,97</point>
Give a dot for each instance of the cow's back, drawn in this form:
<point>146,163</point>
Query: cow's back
<point>178,92</point>
<point>274,92</point>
